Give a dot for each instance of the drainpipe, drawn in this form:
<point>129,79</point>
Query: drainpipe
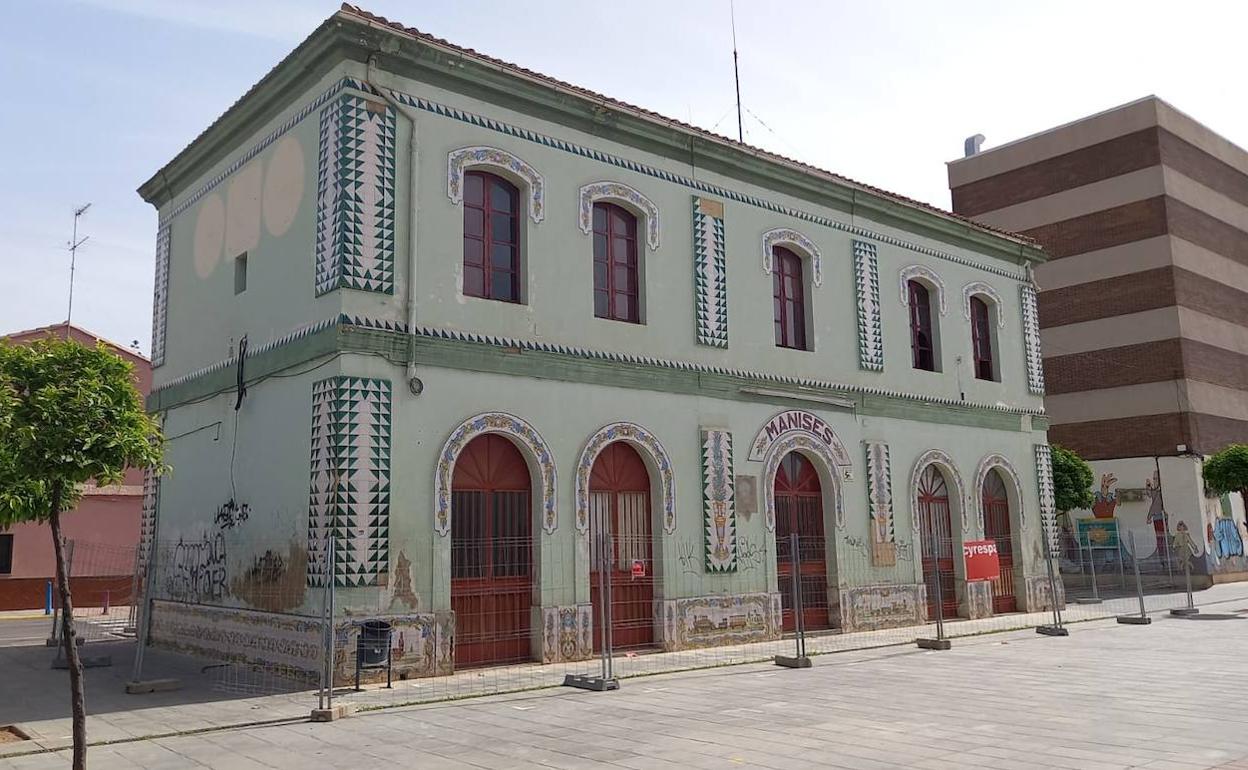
<point>409,308</point>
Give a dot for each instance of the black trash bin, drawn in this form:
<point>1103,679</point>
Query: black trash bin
<point>372,648</point>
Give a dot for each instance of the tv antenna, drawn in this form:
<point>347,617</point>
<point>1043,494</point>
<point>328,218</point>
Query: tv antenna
<point>74,243</point>
<point>736,71</point>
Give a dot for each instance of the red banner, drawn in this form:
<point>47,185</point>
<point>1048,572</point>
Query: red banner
<point>982,561</point>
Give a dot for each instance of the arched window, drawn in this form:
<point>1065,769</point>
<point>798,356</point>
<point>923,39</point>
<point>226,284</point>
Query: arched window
<point>981,339</point>
<point>922,340</point>
<point>788,291</point>
<point>616,286</point>
<point>491,237</point>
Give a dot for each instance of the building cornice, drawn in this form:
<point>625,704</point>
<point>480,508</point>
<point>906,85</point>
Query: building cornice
<point>347,37</point>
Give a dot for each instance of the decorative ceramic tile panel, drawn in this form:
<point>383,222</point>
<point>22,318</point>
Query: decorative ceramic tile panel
<point>349,491</point>
<point>813,448</point>
<point>927,274</point>
<point>618,191</point>
<point>531,445</point>
<point>1031,341</point>
<point>1006,468</point>
<point>466,158</point>
<point>784,236</point>
<point>355,209</point>
<point>147,521</point>
<point>870,323</point>
<point>644,441</point>
<point>950,470</point>
<point>160,295</point>
<point>1044,482</point>
<point>985,289</point>
<point>710,273</point>
<point>719,506</point>
<point>880,504</point>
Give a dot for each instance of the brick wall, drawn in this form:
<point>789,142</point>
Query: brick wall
<point>1115,226</point>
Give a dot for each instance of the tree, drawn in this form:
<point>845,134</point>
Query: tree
<point>1227,471</point>
<point>69,414</point>
<point>1072,480</point>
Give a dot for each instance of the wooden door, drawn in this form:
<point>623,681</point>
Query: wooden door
<point>799,508</point>
<point>619,505</point>
<point>936,536</point>
<point>997,528</point>
<point>491,553</point>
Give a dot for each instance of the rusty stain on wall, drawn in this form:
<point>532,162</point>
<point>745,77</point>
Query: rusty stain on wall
<point>403,593</point>
<point>275,581</point>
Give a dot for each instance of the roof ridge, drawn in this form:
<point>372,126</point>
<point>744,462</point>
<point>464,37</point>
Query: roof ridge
<point>356,11</point>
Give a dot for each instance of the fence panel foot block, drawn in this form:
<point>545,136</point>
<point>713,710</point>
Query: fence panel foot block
<point>333,713</point>
<point>1134,620</point>
<point>791,662</point>
<point>934,644</point>
<point>153,685</point>
<point>1052,630</point>
<point>595,683</point>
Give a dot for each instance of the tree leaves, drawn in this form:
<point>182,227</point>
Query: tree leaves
<point>1072,480</point>
<point>68,413</point>
<point>1227,471</point>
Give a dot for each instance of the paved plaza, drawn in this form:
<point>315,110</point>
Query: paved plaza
<point>1166,697</point>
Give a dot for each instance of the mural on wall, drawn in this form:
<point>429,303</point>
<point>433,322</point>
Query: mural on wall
<point>657,461</point>
<point>870,323</point>
<point>349,491</point>
<point>880,502</point>
<point>865,608</point>
<point>355,196</point>
<point>710,273</point>
<point>621,193</point>
<point>717,501</point>
<point>1224,543</point>
<point>706,621</point>
<point>532,445</point>
<point>466,158</point>
<point>786,236</point>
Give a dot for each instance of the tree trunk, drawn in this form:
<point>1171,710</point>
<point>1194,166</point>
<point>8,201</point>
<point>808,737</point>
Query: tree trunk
<point>78,700</point>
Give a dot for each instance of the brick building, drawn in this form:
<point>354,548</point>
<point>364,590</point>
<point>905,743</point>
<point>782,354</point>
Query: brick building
<point>105,524</point>
<point>1143,304</point>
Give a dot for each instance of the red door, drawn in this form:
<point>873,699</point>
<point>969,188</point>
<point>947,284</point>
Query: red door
<point>491,553</point>
<point>997,527</point>
<point>799,508</point>
<point>936,536</point>
<point>619,505</point>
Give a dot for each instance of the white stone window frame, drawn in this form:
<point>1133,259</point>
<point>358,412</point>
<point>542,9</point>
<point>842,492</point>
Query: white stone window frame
<point>927,276</point>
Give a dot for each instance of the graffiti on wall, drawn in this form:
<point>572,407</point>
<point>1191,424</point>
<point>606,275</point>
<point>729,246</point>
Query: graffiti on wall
<point>197,569</point>
<point>275,580</point>
<point>751,553</point>
<point>1225,544</point>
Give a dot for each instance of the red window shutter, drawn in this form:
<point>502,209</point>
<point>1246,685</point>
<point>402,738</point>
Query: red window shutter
<point>617,290</point>
<point>491,237</point>
<point>788,299</point>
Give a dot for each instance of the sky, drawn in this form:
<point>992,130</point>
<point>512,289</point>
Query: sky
<point>102,93</point>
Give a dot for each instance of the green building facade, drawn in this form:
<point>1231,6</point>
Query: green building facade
<point>311,245</point>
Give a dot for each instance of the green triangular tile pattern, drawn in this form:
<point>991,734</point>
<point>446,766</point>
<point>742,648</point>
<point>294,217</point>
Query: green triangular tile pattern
<point>355,220</point>
<point>710,277</point>
<point>349,492</point>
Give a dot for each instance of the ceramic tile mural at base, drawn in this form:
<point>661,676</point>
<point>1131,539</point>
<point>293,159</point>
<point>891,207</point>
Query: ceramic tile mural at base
<point>709,621</point>
<point>288,642</point>
<point>421,645</point>
<point>1037,595</point>
<point>567,633</point>
<point>976,600</point>
<point>867,608</point>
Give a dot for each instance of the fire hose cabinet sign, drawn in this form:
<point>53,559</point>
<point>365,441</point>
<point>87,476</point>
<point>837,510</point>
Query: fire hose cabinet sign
<point>639,569</point>
<point>982,560</point>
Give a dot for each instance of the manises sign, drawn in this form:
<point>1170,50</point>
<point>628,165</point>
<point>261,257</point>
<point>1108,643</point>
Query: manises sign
<point>797,420</point>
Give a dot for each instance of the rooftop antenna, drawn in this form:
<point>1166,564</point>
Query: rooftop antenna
<point>74,243</point>
<point>736,71</point>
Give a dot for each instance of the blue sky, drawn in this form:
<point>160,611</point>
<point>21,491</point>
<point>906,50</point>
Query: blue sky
<point>104,92</point>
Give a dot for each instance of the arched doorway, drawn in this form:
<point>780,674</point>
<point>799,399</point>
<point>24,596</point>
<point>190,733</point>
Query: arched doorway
<point>936,536</point>
<point>799,509</point>
<point>491,553</point>
<point>997,528</point>
<point>619,506</point>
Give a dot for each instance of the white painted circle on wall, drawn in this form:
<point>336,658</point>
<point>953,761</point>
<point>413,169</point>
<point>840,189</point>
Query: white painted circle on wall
<point>283,186</point>
<point>209,235</point>
<point>242,210</point>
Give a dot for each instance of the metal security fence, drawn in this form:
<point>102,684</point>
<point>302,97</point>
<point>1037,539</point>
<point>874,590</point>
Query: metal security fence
<point>491,609</point>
